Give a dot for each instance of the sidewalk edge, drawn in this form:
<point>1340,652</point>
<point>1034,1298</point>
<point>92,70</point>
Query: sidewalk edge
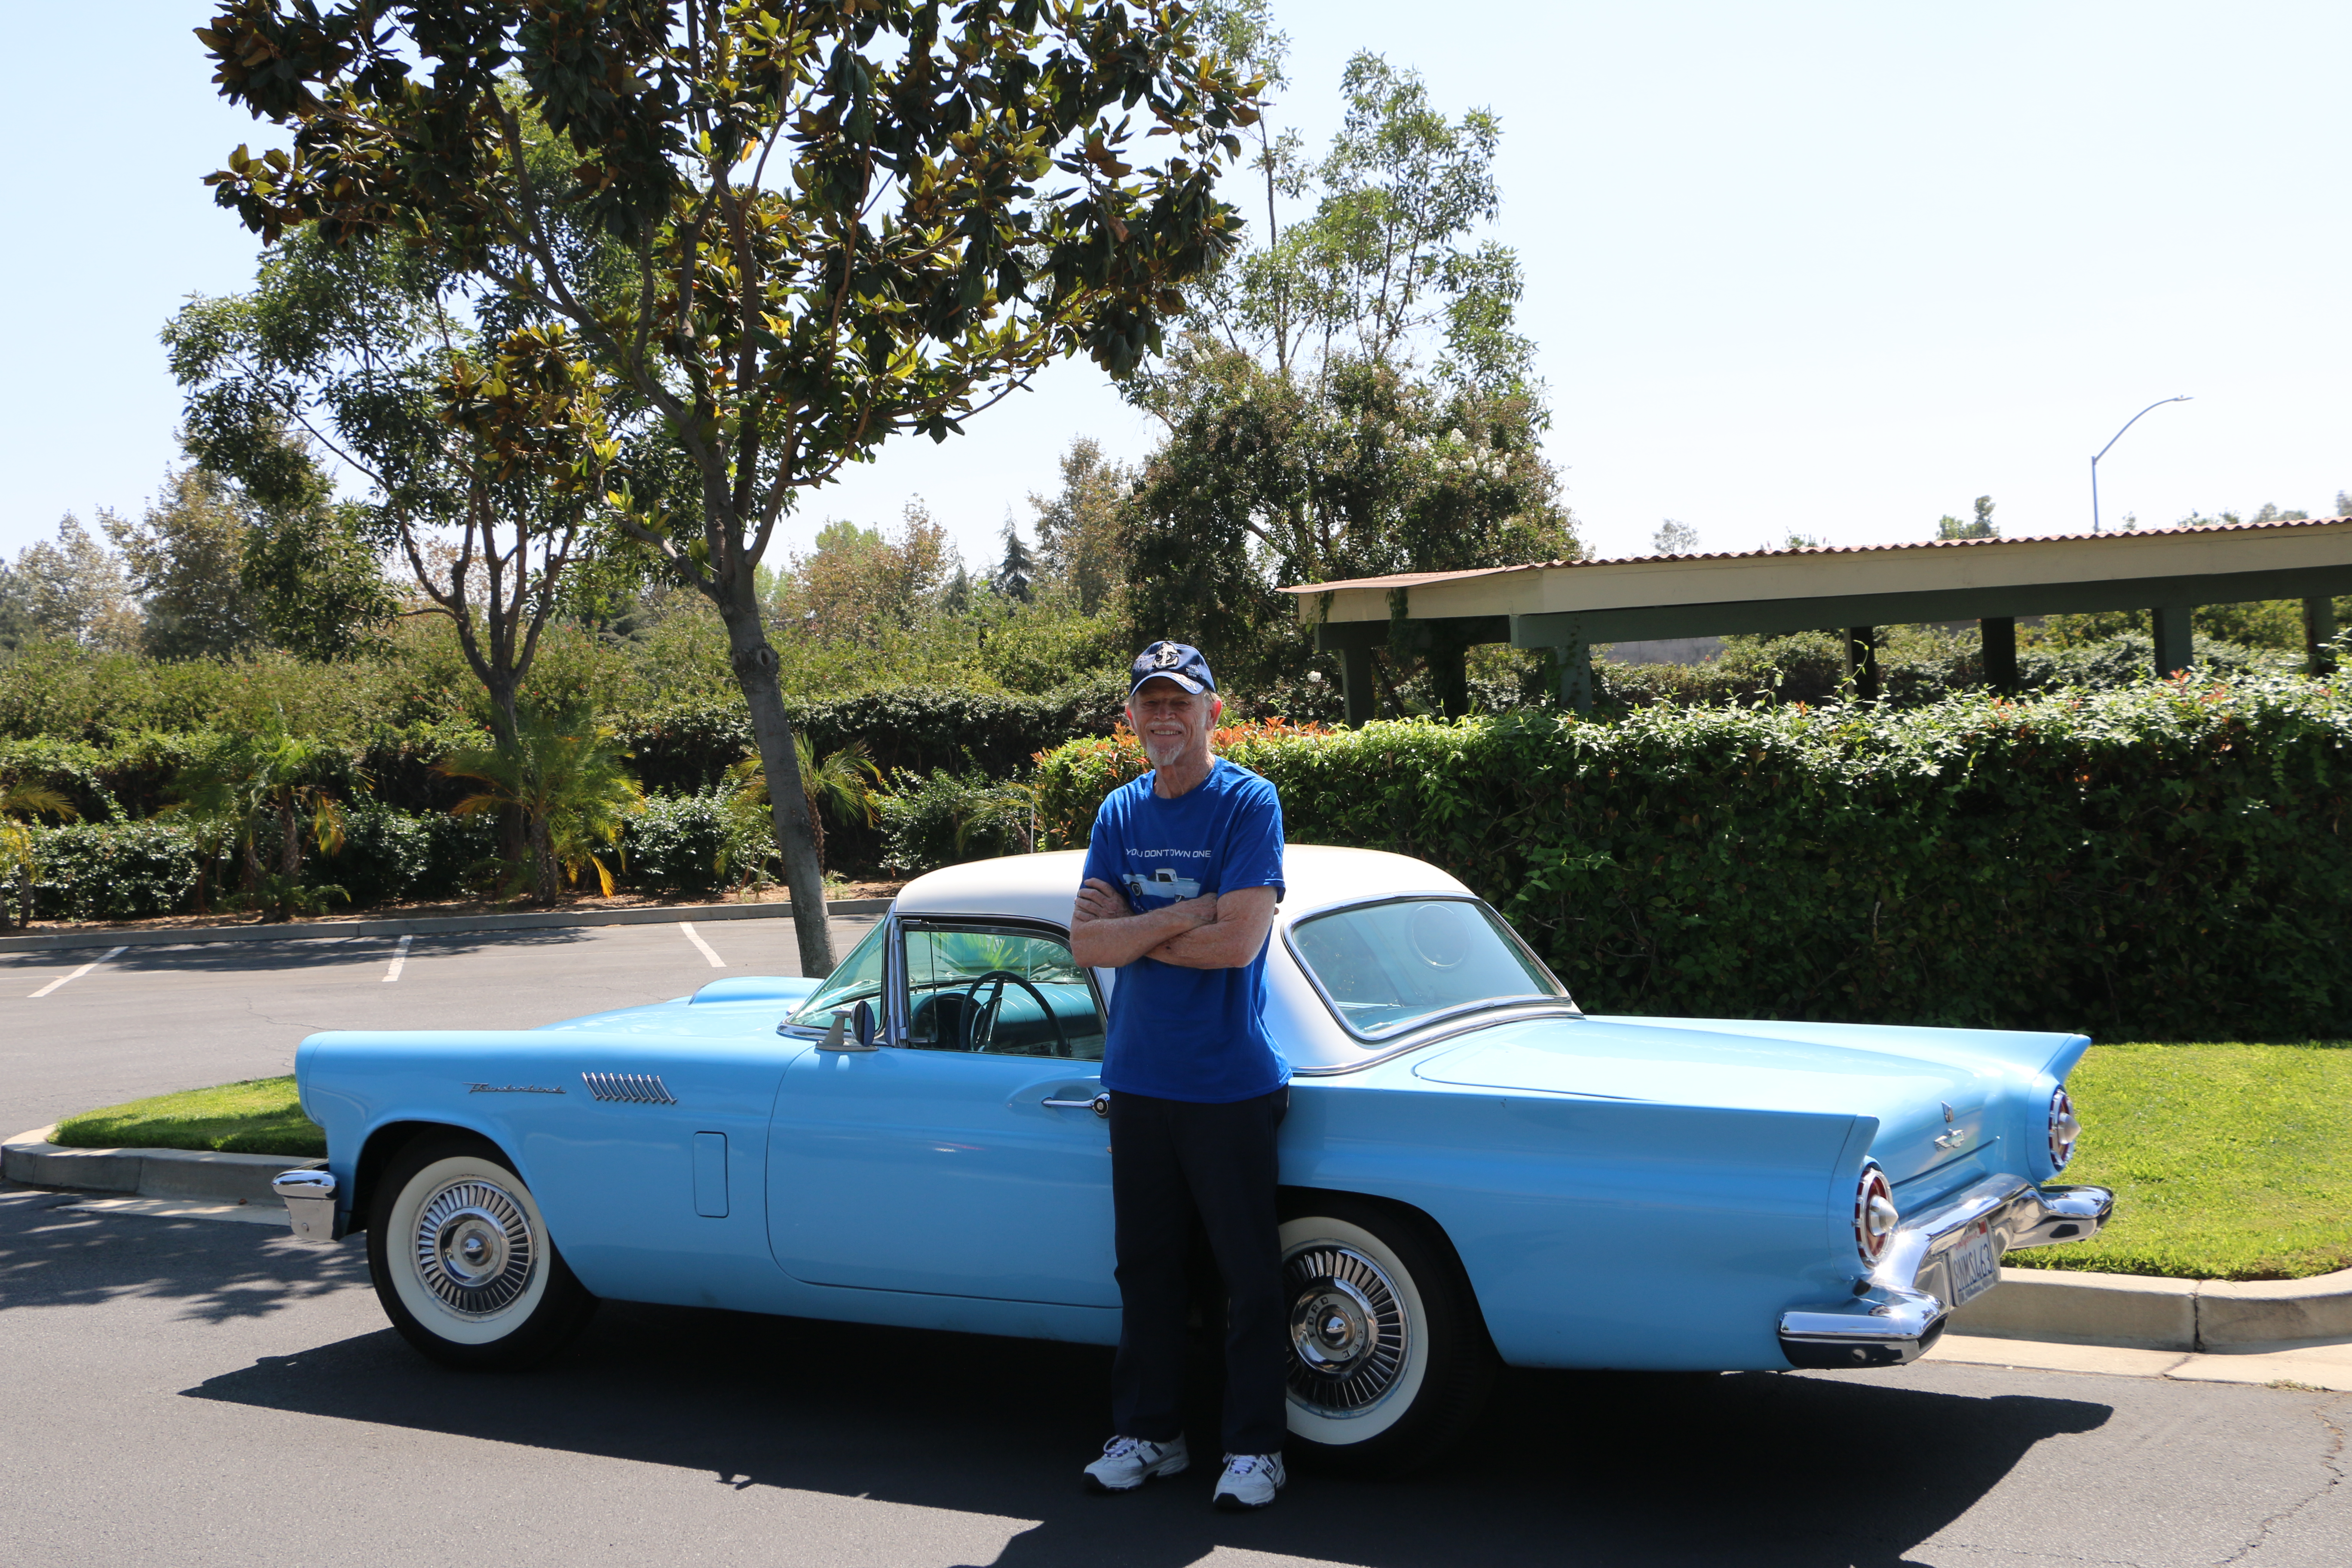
<point>186,1173</point>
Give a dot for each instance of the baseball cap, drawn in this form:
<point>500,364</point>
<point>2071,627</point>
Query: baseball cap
<point>1176,661</point>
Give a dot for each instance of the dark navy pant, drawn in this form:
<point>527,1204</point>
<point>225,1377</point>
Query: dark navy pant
<point>1172,1160</point>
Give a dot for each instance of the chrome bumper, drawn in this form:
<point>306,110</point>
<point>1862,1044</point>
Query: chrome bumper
<point>309,1197</point>
<point>1899,1310</point>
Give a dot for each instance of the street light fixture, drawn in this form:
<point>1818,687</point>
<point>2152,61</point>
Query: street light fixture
<point>2111,441</point>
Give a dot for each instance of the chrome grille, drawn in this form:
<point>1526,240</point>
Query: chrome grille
<point>629,1088</point>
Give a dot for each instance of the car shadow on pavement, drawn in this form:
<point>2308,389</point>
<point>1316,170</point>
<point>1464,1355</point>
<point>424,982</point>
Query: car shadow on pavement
<point>56,1252</point>
<point>1754,1468</point>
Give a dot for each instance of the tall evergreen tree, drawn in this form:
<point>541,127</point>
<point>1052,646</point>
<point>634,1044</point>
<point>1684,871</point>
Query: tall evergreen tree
<point>1019,568</point>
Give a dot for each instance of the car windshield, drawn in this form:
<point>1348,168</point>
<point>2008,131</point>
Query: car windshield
<point>1385,967</point>
<point>859,979</point>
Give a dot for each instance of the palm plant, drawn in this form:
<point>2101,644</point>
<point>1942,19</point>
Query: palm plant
<point>562,775</point>
<point>19,851</point>
<point>842,783</point>
<point>271,791</point>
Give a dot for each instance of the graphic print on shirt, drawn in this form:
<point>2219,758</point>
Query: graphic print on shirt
<point>1162,883</point>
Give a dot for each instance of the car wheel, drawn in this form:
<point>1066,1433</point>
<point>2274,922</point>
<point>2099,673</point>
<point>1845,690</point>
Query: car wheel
<point>462,1260</point>
<point>1389,1361</point>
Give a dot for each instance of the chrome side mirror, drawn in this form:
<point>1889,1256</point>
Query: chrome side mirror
<point>852,1030</point>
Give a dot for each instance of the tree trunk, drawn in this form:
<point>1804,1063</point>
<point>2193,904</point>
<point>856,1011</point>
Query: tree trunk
<point>544,873</point>
<point>771,732</point>
<point>515,844</point>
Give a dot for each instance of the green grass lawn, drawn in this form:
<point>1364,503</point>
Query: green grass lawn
<point>258,1116</point>
<point>2229,1161</point>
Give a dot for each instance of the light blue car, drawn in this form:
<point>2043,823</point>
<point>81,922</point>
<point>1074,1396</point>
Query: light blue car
<point>1475,1172</point>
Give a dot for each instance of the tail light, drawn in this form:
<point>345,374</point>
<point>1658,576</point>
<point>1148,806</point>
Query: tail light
<point>2063,1129</point>
<point>1875,1215</point>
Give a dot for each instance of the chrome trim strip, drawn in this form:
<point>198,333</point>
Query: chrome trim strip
<point>1290,941</point>
<point>628,1088</point>
<point>1899,1310</point>
<point>1338,904</point>
<point>1563,1008</point>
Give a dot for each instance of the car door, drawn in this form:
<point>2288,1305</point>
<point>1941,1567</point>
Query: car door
<point>964,1157</point>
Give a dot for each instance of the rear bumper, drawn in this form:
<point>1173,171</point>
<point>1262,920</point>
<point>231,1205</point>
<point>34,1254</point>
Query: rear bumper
<point>1899,1310</point>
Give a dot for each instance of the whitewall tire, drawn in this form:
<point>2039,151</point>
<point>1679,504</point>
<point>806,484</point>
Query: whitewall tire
<point>1389,1362</point>
<point>463,1262</point>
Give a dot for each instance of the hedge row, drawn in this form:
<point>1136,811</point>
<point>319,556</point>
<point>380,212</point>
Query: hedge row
<point>134,870</point>
<point>2169,861</point>
<point>684,748</point>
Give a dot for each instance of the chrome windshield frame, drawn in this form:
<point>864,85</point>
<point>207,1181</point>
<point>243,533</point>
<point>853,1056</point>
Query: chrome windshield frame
<point>1414,1025</point>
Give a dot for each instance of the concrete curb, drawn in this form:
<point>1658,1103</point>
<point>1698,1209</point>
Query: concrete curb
<point>186,1173</point>
<point>322,930</point>
<point>2141,1312</point>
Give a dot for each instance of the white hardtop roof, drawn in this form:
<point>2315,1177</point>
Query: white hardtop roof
<point>1042,887</point>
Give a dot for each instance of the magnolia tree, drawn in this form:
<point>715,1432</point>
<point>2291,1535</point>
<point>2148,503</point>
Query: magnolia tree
<point>823,226</point>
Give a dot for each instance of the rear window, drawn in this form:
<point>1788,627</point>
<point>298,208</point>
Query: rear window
<point>1385,967</point>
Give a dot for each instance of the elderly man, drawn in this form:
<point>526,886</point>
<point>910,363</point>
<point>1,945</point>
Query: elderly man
<point>1181,880</point>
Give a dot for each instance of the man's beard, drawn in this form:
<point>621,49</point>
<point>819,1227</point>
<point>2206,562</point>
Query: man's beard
<point>1164,752</point>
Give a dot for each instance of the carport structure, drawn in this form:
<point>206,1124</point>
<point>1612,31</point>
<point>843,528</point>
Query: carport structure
<point>1568,606</point>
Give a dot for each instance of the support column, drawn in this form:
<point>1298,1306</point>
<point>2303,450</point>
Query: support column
<point>1356,686</point>
<point>1862,661</point>
<point>1573,664</point>
<point>2000,633</point>
<point>1449,674</point>
<point>2172,646</point>
<point>2318,632</point>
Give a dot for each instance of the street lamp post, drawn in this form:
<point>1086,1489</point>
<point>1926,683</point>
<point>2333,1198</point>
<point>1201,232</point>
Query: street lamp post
<point>2111,441</point>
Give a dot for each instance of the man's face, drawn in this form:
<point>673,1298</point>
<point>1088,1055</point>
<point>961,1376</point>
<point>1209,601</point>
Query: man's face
<point>1172,723</point>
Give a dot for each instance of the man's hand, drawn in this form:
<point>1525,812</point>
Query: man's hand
<point>1231,941</point>
<point>1106,933</point>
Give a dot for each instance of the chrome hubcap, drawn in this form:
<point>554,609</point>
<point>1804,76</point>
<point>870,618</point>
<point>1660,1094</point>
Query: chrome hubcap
<point>474,1248</point>
<point>1348,1332</point>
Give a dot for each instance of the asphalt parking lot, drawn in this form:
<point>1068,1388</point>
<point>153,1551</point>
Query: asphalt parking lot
<point>151,1019</point>
<point>194,1391</point>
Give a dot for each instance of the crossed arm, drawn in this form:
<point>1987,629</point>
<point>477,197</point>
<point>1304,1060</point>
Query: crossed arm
<point>1216,931</point>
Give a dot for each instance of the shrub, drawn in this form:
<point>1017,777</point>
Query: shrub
<point>387,854</point>
<point>944,819</point>
<point>2157,860</point>
<point>689,745</point>
<point>113,870</point>
<point>679,844</point>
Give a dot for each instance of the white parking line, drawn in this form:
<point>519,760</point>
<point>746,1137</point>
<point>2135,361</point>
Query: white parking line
<point>399,960</point>
<point>695,937</point>
<point>93,963</point>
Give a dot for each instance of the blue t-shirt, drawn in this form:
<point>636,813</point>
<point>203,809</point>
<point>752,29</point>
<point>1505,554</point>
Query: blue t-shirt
<point>1190,1033</point>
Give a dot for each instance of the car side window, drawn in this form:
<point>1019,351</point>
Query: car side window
<point>1000,990</point>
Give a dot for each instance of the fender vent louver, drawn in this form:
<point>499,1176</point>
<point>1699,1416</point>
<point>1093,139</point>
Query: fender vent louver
<point>629,1088</point>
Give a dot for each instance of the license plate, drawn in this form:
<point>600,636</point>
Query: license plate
<point>1973,1267</point>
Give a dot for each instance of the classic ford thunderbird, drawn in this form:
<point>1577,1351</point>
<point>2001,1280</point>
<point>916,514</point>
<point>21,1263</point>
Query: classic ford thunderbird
<point>1474,1170</point>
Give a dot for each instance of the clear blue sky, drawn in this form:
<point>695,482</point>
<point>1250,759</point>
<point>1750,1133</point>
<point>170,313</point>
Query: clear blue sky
<point>1836,268</point>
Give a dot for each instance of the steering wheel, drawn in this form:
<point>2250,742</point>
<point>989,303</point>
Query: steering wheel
<point>977,1034</point>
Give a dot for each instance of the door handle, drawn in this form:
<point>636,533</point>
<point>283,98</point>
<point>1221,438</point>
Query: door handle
<point>1099,1104</point>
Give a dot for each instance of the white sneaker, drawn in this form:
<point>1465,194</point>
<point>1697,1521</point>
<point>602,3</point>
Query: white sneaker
<point>1127,1462</point>
<point>1250,1481</point>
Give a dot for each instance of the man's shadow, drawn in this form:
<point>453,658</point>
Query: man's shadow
<point>1754,1468</point>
